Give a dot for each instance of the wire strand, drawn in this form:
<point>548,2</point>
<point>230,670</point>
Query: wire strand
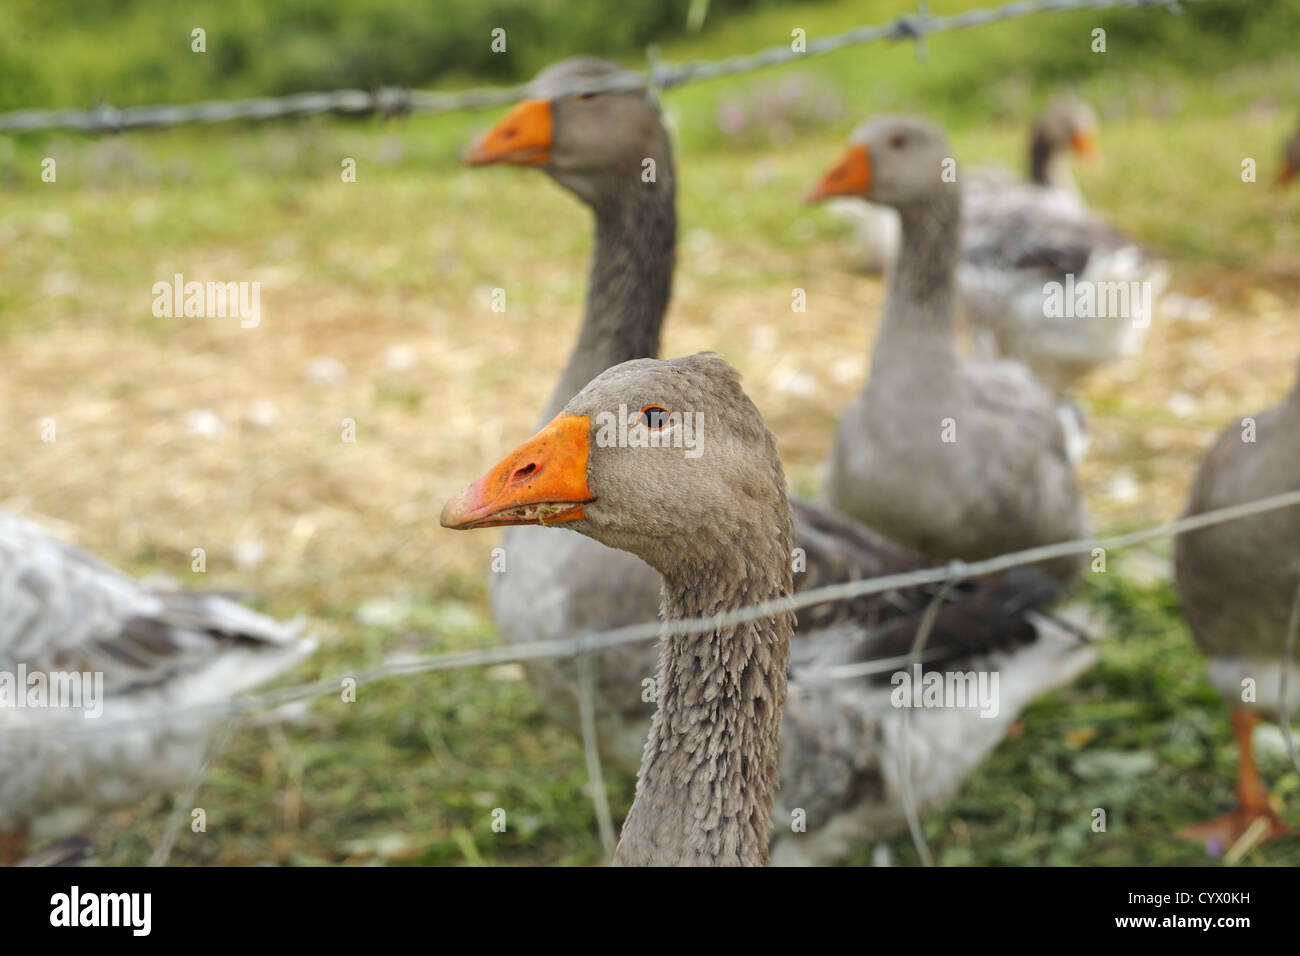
<point>397,101</point>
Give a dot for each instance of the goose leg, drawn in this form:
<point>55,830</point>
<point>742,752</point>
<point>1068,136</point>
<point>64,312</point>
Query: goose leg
<point>1252,797</point>
<point>13,846</point>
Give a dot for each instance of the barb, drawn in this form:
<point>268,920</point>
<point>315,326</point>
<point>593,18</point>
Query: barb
<point>918,33</point>
<point>571,647</point>
<point>395,101</point>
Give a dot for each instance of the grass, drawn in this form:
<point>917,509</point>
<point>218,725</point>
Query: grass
<point>389,278</point>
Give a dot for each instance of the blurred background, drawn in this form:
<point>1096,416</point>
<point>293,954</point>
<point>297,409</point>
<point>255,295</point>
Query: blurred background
<point>175,434</point>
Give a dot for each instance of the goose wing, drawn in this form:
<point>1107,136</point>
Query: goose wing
<point>846,748</point>
<point>63,609</point>
<point>1032,229</point>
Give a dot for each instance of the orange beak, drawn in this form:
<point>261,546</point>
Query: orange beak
<point>543,481</point>
<point>1084,144</point>
<point>850,177</point>
<point>1285,174</point>
<point>523,137</point>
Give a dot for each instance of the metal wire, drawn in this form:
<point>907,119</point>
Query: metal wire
<point>396,101</point>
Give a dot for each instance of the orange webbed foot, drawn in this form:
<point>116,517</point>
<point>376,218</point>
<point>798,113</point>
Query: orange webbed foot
<point>1221,834</point>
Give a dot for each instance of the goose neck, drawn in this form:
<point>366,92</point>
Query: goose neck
<point>629,287</point>
<point>919,304</point>
<point>1043,155</point>
<point>708,775</point>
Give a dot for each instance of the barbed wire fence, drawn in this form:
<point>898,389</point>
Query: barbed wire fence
<point>659,75</point>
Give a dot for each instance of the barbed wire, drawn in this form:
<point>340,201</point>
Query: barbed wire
<point>955,571</point>
<point>659,75</point>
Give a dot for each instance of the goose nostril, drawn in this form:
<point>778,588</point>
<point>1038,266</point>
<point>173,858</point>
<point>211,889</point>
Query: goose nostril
<point>509,133</point>
<point>524,472</point>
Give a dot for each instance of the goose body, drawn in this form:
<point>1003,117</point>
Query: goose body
<point>1019,239</point>
<point>157,649</point>
<point>956,459</point>
<point>1237,582</point>
<point>847,755</point>
<point>843,746</point>
<point>719,529</point>
<point>1020,235</point>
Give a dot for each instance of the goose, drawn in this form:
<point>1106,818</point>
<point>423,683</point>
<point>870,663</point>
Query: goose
<point>718,529</point>
<point>147,648</point>
<point>1068,124</point>
<point>1048,283</point>
<point>1237,582</point>
<point>1018,237</point>
<point>956,459</point>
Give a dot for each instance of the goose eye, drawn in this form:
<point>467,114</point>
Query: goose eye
<point>897,140</point>
<point>583,96</point>
<point>654,417</point>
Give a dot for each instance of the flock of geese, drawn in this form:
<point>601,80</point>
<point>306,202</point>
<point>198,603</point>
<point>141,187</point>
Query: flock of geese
<point>742,707</point>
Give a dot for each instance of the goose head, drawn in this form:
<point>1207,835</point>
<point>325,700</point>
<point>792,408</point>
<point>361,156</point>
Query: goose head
<point>592,143</point>
<point>895,160</point>
<point>667,459</point>
<point>1068,123</point>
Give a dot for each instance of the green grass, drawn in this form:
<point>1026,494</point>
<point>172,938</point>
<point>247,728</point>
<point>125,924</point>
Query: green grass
<point>411,773</point>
